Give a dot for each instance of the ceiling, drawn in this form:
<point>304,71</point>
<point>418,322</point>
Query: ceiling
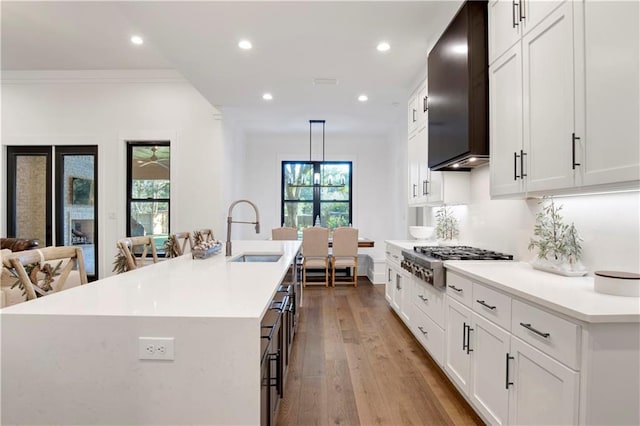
<point>293,43</point>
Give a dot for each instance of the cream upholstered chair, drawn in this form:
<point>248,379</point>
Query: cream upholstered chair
<point>180,243</point>
<point>48,270</point>
<point>128,246</point>
<point>284,233</point>
<point>315,252</point>
<point>345,253</point>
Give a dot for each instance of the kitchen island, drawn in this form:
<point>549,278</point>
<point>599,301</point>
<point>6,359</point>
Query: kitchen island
<point>74,357</point>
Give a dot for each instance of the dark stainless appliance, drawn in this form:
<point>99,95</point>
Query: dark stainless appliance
<point>458,100</point>
<point>426,262</point>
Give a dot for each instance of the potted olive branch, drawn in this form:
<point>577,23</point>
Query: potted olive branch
<point>446,225</point>
<point>558,245</point>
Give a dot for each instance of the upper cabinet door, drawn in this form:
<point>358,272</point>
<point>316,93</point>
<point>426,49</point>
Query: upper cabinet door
<point>611,128</point>
<point>504,27</point>
<point>548,70</point>
<point>505,112</point>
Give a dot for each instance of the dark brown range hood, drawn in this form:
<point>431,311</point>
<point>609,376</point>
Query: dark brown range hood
<point>459,92</point>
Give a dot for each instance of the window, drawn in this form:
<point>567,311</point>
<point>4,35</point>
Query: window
<point>148,189</point>
<point>315,190</point>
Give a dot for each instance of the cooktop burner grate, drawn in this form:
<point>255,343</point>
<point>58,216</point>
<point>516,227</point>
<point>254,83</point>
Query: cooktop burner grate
<point>460,253</point>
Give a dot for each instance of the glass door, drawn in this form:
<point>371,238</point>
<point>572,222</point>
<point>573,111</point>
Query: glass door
<point>77,202</point>
<point>29,193</point>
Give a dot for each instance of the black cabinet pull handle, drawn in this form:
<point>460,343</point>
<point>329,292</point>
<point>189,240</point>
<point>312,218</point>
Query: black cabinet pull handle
<point>425,104</point>
<point>521,9</point>
<point>513,14</point>
<point>414,190</point>
<point>422,330</point>
<point>424,299</point>
<point>522,173</point>
<point>574,138</point>
<point>452,287</point>
<point>464,336</point>
<point>506,380</point>
<point>424,187</point>
<point>538,332</point>
<point>469,330</point>
<point>482,302</point>
<point>515,166</point>
<point>414,115</point>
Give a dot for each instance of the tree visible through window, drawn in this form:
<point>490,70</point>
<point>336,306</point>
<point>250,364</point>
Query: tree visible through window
<point>314,191</point>
<point>148,190</point>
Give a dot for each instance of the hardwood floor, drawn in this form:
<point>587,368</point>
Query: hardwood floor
<point>355,363</point>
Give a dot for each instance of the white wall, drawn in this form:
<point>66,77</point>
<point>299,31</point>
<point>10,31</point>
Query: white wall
<point>375,181</point>
<point>608,223</point>
<point>106,109</point>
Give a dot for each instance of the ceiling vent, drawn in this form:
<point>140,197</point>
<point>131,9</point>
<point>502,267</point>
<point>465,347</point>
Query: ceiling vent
<point>325,81</point>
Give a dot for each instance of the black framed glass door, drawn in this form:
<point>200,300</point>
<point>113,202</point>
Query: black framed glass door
<point>77,202</point>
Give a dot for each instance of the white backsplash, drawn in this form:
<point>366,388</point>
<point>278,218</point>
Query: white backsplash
<point>608,223</point>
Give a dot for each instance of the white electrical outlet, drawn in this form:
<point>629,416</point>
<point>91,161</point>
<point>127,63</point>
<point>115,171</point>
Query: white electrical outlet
<point>155,348</point>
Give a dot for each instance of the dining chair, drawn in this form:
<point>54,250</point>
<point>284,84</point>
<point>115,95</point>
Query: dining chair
<point>345,253</point>
<point>130,246</point>
<point>315,253</point>
<point>201,235</point>
<point>48,270</point>
<point>284,233</point>
<point>178,243</point>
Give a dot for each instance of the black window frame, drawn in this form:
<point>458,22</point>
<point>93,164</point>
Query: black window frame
<point>131,200</point>
<point>317,201</point>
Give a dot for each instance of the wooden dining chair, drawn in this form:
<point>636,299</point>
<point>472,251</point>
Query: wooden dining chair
<point>48,270</point>
<point>179,242</point>
<point>345,253</point>
<point>130,246</point>
<point>284,233</point>
<point>315,253</point>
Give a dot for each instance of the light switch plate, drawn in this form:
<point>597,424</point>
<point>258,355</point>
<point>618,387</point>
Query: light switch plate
<point>158,348</point>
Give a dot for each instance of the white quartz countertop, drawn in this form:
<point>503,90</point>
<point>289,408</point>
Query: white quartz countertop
<point>410,244</point>
<point>180,287</point>
<point>571,296</point>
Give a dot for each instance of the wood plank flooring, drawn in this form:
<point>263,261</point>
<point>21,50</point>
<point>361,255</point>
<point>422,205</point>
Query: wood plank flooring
<point>355,363</point>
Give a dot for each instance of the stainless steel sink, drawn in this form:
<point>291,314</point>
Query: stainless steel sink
<point>257,258</point>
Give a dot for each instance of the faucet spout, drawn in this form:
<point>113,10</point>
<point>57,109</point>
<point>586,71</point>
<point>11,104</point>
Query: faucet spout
<point>230,221</point>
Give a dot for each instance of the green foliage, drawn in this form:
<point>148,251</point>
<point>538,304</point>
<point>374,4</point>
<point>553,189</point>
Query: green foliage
<point>119,263</point>
<point>171,247</point>
<point>555,239</point>
<point>34,272</point>
<point>446,224</point>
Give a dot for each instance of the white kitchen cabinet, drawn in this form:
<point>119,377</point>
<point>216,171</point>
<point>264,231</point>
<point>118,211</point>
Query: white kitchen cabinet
<point>418,170</point>
<point>504,27</point>
<point>544,392</point>
<point>457,340</point>
<point>489,390</point>
<point>532,110</point>
<point>548,69</point>
<point>393,256</point>
<point>416,109</point>
<point>505,121</point>
<point>608,150</point>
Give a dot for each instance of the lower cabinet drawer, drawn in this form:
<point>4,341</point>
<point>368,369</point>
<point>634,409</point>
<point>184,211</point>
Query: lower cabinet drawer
<point>459,288</point>
<point>430,335</point>
<point>430,301</point>
<point>553,335</point>
<point>492,305</point>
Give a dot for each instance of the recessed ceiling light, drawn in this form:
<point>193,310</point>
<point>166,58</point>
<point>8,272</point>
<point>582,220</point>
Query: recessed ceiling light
<point>136,40</point>
<point>383,46</point>
<point>267,96</point>
<point>245,44</point>
<point>363,98</point>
